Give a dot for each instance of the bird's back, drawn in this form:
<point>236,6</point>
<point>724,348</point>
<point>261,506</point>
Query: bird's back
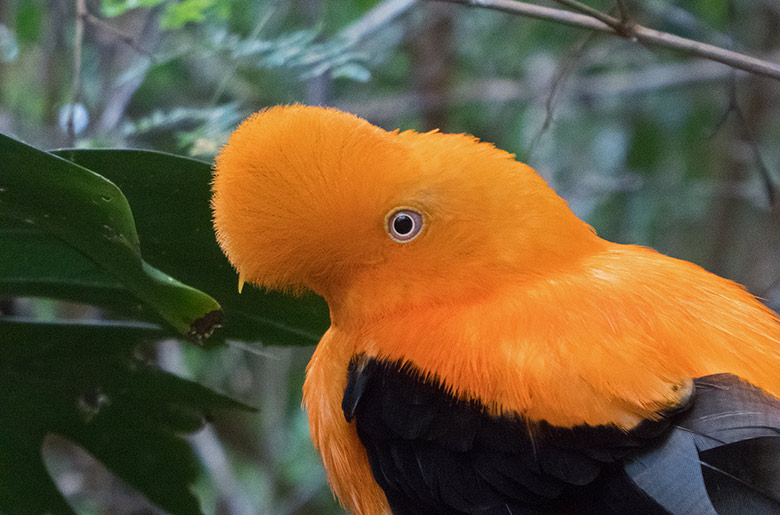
<point>630,329</point>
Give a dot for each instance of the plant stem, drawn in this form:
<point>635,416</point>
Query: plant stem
<point>633,32</point>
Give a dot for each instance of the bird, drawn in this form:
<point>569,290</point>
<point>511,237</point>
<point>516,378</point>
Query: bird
<point>488,352</point>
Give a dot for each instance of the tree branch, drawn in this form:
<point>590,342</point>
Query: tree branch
<point>594,13</point>
<point>633,31</point>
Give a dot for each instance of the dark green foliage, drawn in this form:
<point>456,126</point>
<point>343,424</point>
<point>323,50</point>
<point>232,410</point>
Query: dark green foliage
<point>67,232</point>
<point>83,382</point>
<point>176,190</point>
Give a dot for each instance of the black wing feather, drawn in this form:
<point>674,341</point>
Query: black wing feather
<point>434,454</point>
<point>722,456</point>
<point>671,474</point>
<point>743,477</point>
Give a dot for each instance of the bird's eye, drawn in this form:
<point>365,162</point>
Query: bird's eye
<point>404,224</point>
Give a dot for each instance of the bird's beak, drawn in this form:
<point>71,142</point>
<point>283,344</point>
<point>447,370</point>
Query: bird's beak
<point>240,281</point>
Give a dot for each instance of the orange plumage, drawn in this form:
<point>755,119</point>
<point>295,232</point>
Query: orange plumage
<point>505,296</point>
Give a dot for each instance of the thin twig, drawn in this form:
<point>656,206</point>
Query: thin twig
<point>636,32</point>
<point>561,75</point>
<point>752,141</point>
<point>121,36</point>
<point>594,13</point>
<point>78,40</point>
<point>763,170</point>
<point>625,14</point>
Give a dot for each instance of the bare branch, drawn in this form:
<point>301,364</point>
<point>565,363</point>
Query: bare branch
<point>636,32</point>
<point>536,11</point>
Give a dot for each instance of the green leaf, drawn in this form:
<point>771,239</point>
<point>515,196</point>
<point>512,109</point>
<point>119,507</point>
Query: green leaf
<point>83,382</point>
<point>171,196</point>
<point>26,340</point>
<point>177,14</point>
<point>37,265</point>
<point>53,196</point>
<point>112,8</point>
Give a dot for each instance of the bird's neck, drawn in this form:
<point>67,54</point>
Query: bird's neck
<point>384,293</point>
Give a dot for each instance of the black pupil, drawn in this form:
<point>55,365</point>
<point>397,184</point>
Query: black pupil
<point>403,224</point>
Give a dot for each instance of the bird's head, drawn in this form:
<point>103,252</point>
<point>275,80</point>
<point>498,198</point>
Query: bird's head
<point>314,198</point>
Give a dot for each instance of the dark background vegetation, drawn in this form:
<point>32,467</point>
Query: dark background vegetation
<point>649,145</point>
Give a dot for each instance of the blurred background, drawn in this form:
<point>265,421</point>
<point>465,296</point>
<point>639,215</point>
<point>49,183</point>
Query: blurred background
<point>650,146</point>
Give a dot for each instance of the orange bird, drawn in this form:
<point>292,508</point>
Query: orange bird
<point>488,352</point>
